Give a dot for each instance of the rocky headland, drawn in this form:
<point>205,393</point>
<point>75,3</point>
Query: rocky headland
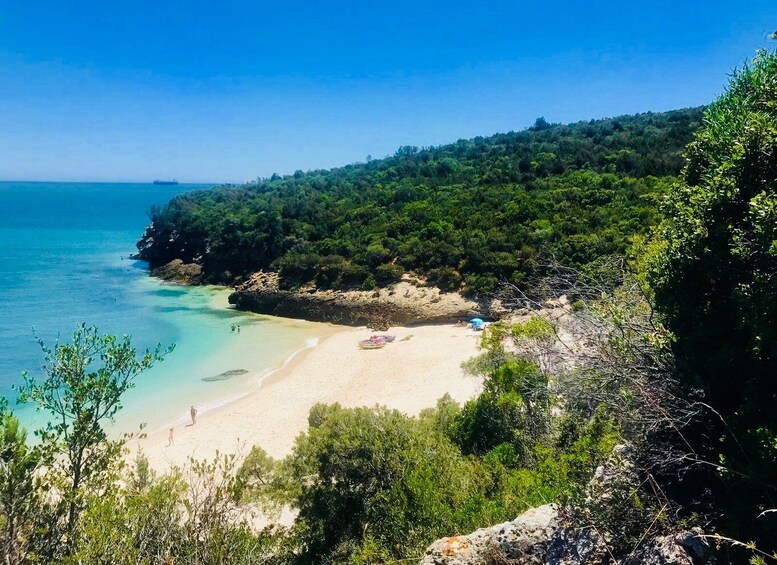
<point>176,271</point>
<point>405,303</point>
<point>408,302</point>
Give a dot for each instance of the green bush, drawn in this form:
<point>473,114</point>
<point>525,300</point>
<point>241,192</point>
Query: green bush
<point>185,516</point>
<point>514,408</point>
<point>387,274</point>
<point>715,281</point>
<point>446,279</point>
<point>375,478</point>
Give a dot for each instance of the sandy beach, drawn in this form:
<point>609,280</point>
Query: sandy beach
<point>423,364</point>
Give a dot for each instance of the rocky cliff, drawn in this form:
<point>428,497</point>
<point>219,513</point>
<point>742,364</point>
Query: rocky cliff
<point>405,303</point>
<point>179,272</point>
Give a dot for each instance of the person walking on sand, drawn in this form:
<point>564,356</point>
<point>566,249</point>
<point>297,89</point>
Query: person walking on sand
<point>193,412</point>
<point>170,440</point>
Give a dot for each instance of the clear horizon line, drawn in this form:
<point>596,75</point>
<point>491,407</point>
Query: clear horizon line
<point>215,183</point>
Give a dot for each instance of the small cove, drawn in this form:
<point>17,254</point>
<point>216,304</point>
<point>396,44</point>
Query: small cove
<point>64,251</point>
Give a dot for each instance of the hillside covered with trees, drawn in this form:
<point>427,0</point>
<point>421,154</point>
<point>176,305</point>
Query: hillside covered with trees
<point>468,215</point>
<point>661,428</point>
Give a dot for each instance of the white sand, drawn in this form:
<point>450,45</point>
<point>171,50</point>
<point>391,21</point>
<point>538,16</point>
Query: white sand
<point>407,375</point>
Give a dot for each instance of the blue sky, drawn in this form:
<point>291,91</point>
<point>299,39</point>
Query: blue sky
<point>228,91</point>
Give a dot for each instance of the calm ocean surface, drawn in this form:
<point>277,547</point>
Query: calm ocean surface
<point>63,260</point>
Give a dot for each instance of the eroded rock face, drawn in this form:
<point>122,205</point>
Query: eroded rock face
<point>542,536</point>
<point>179,272</point>
<point>146,242</point>
<point>402,304</point>
<point>536,537</point>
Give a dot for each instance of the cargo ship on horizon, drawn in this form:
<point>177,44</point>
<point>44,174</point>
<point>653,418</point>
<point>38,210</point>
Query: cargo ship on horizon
<point>166,182</point>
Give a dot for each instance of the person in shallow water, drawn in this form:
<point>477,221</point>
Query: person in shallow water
<point>193,412</point>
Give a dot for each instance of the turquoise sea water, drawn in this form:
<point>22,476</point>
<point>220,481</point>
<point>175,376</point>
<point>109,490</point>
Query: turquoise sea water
<point>64,251</point>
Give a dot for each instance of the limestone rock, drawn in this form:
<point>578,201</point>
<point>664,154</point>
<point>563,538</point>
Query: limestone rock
<point>536,537</point>
<point>179,272</point>
<point>542,536</point>
<point>683,548</point>
<point>404,303</point>
<point>616,472</point>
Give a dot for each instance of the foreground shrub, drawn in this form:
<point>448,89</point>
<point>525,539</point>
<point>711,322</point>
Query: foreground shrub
<point>376,474</point>
<point>185,516</point>
<point>715,281</point>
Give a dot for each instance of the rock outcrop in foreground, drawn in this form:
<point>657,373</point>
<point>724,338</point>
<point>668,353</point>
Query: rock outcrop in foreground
<point>547,536</point>
<point>542,536</point>
<point>404,303</point>
<point>537,536</point>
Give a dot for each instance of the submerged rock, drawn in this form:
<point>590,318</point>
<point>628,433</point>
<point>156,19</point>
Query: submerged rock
<point>225,375</point>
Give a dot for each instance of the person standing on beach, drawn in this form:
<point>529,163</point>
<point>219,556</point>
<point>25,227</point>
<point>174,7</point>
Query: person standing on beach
<point>193,412</point>
<point>170,438</point>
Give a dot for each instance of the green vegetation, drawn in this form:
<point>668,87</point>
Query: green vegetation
<point>376,483</point>
<point>470,214</point>
<point>371,485</point>
<point>45,488</point>
<point>715,280</point>
<point>19,498</point>
<point>375,486</point>
<point>83,384</point>
<point>186,517</point>
<point>671,387</point>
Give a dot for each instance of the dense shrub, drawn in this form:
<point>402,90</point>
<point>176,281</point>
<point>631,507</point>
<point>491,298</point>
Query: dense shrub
<point>374,484</point>
<point>715,281</point>
<point>512,409</point>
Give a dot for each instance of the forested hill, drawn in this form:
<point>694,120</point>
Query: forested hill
<point>467,215</point>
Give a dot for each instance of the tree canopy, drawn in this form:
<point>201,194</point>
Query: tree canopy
<point>466,215</point>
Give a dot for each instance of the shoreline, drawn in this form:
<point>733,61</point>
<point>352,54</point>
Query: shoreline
<point>410,375</point>
<point>199,324</point>
<point>407,301</point>
<point>261,379</point>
